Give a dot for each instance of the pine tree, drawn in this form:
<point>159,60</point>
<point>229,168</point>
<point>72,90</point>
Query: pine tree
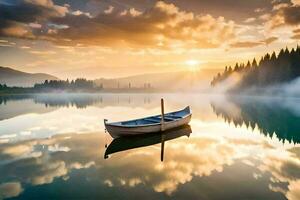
<point>254,63</point>
<point>236,67</point>
<point>248,66</point>
<point>273,56</point>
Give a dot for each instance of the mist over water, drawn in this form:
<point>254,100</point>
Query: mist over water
<point>289,89</point>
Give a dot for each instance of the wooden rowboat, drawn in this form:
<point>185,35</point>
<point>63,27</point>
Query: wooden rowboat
<point>151,124</point>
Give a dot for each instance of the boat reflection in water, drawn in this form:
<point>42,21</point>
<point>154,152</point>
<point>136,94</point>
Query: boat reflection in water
<point>132,142</point>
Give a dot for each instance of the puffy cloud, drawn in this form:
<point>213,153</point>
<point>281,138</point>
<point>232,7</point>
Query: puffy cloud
<point>16,151</point>
<point>10,189</point>
<point>238,10</point>
<point>79,12</point>
<point>291,15</point>
<point>294,191</point>
<point>17,19</point>
<point>285,14</point>
<point>17,30</point>
<point>109,10</point>
<point>250,20</point>
<point>46,173</point>
<point>161,26</point>
<point>60,10</point>
<point>284,169</point>
<point>296,2</point>
<point>35,25</point>
<point>133,12</point>
<point>280,6</point>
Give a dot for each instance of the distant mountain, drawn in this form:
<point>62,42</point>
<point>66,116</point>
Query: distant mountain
<point>12,77</point>
<point>172,81</point>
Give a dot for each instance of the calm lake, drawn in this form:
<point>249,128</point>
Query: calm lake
<point>53,146</point>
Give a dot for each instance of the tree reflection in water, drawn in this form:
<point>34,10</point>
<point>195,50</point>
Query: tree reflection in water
<point>277,116</point>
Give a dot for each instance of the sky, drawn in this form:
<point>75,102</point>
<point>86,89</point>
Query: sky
<point>115,38</point>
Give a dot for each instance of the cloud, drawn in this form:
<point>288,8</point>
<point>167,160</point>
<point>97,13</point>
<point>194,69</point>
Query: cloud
<point>297,31</point>
<point>42,52</point>
<point>284,169</point>
<point>251,44</point>
<point>246,44</point>
<point>17,19</point>
<point>250,20</point>
<point>231,9</point>
<point>79,12</point>
<point>163,25</point>
<point>280,6</point>
<point>292,15</point>
<point>17,30</point>
<point>270,40</point>
<point>109,10</point>
<point>133,12</point>
<point>294,191</point>
<point>16,151</point>
<point>296,2</point>
<point>46,173</point>
<point>10,189</point>
<point>296,35</point>
<point>285,14</point>
<point>60,10</point>
<point>25,47</point>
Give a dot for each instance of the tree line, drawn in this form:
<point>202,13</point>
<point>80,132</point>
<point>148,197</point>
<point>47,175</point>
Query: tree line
<point>77,84</point>
<point>270,70</point>
<point>3,86</point>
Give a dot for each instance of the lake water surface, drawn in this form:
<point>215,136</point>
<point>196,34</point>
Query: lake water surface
<point>52,147</point>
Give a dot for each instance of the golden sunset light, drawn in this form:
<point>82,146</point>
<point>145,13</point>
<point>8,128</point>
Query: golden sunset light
<point>150,99</point>
<point>193,65</point>
<point>65,38</point>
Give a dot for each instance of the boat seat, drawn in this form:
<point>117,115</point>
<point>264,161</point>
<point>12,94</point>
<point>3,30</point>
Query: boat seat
<point>152,120</point>
<point>155,118</point>
<point>173,116</point>
<point>167,118</point>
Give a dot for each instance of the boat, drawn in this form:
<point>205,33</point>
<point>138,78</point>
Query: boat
<point>152,124</point>
<point>126,143</point>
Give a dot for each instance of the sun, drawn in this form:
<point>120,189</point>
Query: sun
<point>193,65</point>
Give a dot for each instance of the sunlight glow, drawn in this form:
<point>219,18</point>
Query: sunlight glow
<point>193,65</point>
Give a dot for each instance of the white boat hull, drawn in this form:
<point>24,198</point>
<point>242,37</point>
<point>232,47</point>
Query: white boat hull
<point>117,130</point>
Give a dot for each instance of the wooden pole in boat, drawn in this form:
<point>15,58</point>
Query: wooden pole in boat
<point>162,147</point>
<point>162,114</point>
